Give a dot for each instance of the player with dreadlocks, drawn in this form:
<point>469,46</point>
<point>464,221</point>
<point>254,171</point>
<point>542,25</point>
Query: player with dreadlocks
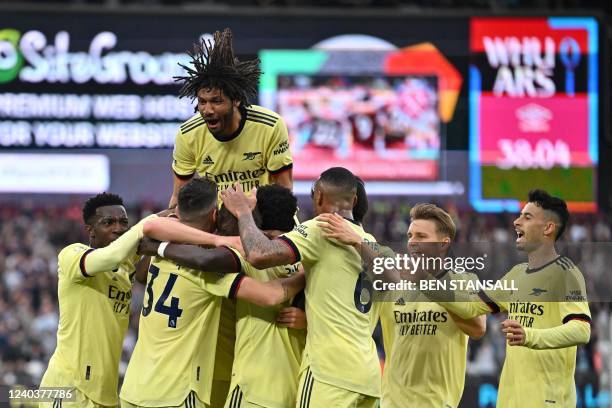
<point>228,140</point>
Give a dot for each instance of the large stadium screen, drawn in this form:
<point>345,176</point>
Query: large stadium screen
<point>369,111</point>
<point>533,110</point>
<point>384,128</point>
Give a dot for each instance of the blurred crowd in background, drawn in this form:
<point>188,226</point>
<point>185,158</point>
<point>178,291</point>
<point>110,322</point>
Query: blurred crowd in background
<point>31,237</point>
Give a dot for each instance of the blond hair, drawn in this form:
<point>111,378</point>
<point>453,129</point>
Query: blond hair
<point>444,222</point>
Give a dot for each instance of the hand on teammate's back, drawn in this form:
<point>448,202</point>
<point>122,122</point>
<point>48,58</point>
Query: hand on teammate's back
<point>236,201</point>
<point>336,227</point>
<point>292,318</point>
<point>148,246</point>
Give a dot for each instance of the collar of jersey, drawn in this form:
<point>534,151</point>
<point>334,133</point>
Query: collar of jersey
<point>543,266</point>
<point>243,116</point>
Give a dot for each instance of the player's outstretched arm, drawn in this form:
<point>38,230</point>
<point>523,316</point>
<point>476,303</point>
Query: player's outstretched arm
<point>108,258</point>
<point>268,294</point>
<point>172,230</point>
<point>475,327</point>
<point>220,260</point>
<point>260,251</point>
<point>572,333</point>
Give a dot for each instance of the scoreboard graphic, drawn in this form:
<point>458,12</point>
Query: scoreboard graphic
<point>533,110</point>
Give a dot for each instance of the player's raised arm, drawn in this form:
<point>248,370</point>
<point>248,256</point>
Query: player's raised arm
<point>260,251</point>
<point>109,257</point>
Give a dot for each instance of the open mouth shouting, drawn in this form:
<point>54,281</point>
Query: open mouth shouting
<point>519,235</point>
<point>213,124</point>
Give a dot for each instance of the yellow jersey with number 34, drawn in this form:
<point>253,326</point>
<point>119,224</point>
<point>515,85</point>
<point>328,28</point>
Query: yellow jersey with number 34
<point>179,322</point>
<point>259,148</point>
<point>339,350</point>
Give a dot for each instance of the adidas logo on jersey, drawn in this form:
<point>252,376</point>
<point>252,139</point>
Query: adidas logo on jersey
<point>400,302</point>
<point>208,160</point>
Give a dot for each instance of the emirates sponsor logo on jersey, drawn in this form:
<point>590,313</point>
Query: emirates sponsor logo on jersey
<point>419,323</point>
<point>235,176</point>
<point>525,312</point>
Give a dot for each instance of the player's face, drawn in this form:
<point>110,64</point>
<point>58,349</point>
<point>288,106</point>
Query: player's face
<point>424,239</point>
<point>530,227</point>
<point>218,111</point>
<point>110,223</point>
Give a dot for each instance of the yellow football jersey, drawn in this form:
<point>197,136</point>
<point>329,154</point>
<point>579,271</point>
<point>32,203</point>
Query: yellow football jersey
<point>93,319</point>
<point>268,356</point>
<point>426,359</point>
<point>224,357</point>
<point>339,349</point>
<point>545,297</point>
<point>260,148</point>
<point>178,331</point>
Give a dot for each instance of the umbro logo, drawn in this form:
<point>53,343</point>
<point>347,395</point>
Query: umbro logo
<point>400,302</point>
<point>250,155</point>
<point>208,160</point>
<point>537,292</point>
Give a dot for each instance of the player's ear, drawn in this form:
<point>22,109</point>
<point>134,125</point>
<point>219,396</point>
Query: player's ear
<point>237,103</point>
<point>90,231</point>
<point>444,244</point>
<point>550,229</point>
<point>318,197</point>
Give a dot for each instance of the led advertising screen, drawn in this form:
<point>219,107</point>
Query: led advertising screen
<point>533,110</point>
<point>374,112</point>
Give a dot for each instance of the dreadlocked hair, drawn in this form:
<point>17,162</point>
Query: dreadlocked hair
<point>213,65</point>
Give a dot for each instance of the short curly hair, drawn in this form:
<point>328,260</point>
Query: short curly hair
<point>100,200</point>
<point>214,66</point>
<point>277,207</point>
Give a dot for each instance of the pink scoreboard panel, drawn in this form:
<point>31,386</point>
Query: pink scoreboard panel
<point>533,110</point>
